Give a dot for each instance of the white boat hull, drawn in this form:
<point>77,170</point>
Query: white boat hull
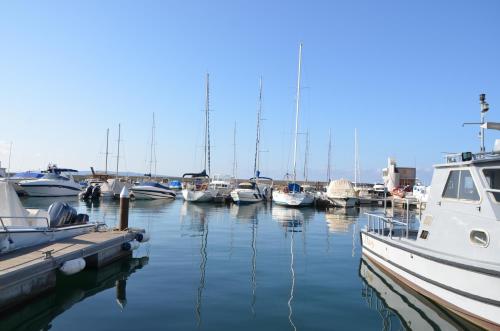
<point>150,193</point>
<point>50,191</point>
<point>245,196</point>
<point>22,237</point>
<point>345,202</point>
<point>198,196</point>
<point>472,293</point>
<point>293,199</point>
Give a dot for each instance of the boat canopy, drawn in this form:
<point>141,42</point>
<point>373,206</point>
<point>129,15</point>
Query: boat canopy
<point>195,175</point>
<point>247,185</point>
<point>12,212</point>
<point>294,187</point>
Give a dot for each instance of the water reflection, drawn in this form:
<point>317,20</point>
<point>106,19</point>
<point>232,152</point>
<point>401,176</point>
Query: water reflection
<point>341,219</point>
<point>400,307</point>
<point>38,315</point>
<point>291,219</point>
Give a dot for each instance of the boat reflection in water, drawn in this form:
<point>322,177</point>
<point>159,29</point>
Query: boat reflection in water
<point>341,219</point>
<point>402,308</point>
<point>70,290</point>
<point>291,219</point>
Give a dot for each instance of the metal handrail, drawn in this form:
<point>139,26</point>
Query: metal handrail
<point>382,220</point>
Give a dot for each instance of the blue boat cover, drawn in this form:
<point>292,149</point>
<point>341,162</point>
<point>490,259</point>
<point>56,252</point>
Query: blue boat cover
<point>293,187</point>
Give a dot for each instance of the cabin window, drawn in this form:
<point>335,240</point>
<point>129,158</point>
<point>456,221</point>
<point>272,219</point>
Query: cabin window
<point>467,189</point>
<point>460,185</point>
<point>451,188</point>
<point>493,179</point>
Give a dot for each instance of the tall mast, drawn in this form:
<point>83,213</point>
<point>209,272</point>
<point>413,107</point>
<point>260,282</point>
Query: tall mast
<point>207,127</point>
<point>151,149</point>
<point>118,150</point>
<point>107,153</point>
<point>256,164</point>
<point>8,165</point>
<point>297,116</point>
<point>357,172</point>
<point>235,165</point>
<point>328,169</point>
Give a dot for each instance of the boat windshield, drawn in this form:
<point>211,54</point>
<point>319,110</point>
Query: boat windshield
<point>247,185</point>
<point>492,176</point>
<point>153,184</point>
<point>54,176</point>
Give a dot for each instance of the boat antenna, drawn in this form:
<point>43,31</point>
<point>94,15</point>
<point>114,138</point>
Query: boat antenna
<point>484,108</point>
<point>118,149</point>
<point>297,109</point>
<point>256,164</point>
<point>357,172</point>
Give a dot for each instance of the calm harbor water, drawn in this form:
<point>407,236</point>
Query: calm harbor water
<point>231,267</point>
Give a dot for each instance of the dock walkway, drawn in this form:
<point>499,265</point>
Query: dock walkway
<point>28,272</point>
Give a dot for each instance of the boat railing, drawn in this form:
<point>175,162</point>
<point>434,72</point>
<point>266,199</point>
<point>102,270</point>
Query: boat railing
<point>6,229</point>
<point>384,225</point>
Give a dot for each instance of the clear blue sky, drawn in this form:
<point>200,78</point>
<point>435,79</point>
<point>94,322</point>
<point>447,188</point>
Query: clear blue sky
<point>405,73</point>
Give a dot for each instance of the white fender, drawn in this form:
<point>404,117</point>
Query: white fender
<point>72,267</point>
<point>143,237</point>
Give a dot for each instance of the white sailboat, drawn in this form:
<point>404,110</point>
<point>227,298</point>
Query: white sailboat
<point>453,257</point>
<point>150,189</point>
<point>197,189</point>
<point>293,195</point>
<point>258,188</point>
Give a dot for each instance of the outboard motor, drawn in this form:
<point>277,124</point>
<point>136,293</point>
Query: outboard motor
<point>87,193</point>
<point>61,214</point>
<point>96,192</point>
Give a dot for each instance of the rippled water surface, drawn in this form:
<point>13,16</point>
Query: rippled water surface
<point>231,267</point>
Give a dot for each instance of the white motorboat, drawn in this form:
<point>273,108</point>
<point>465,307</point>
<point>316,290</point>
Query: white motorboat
<point>151,190</point>
<point>254,190</point>
<point>293,195</point>
<point>56,182</point>
<point>342,193</point>
<point>453,257</point>
<point>20,227</point>
<point>198,189</point>
<point>221,185</point>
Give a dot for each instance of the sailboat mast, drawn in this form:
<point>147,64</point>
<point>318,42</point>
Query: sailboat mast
<point>297,116</point>
<point>118,150</point>
<point>257,140</point>
<point>151,148</point>
<point>107,153</point>
<point>306,157</point>
<point>207,126</point>
<point>234,152</point>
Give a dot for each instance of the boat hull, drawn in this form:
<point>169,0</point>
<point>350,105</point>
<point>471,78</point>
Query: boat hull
<point>49,190</point>
<point>198,196</point>
<point>246,196</point>
<point>345,202</point>
<point>472,293</point>
<point>293,199</point>
<point>152,193</point>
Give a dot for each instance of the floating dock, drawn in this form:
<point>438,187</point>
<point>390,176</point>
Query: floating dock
<point>27,273</point>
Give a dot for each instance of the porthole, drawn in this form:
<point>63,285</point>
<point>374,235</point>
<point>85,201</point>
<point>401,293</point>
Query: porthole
<point>480,238</point>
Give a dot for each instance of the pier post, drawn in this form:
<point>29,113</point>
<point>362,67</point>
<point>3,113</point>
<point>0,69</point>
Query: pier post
<point>124,204</point>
